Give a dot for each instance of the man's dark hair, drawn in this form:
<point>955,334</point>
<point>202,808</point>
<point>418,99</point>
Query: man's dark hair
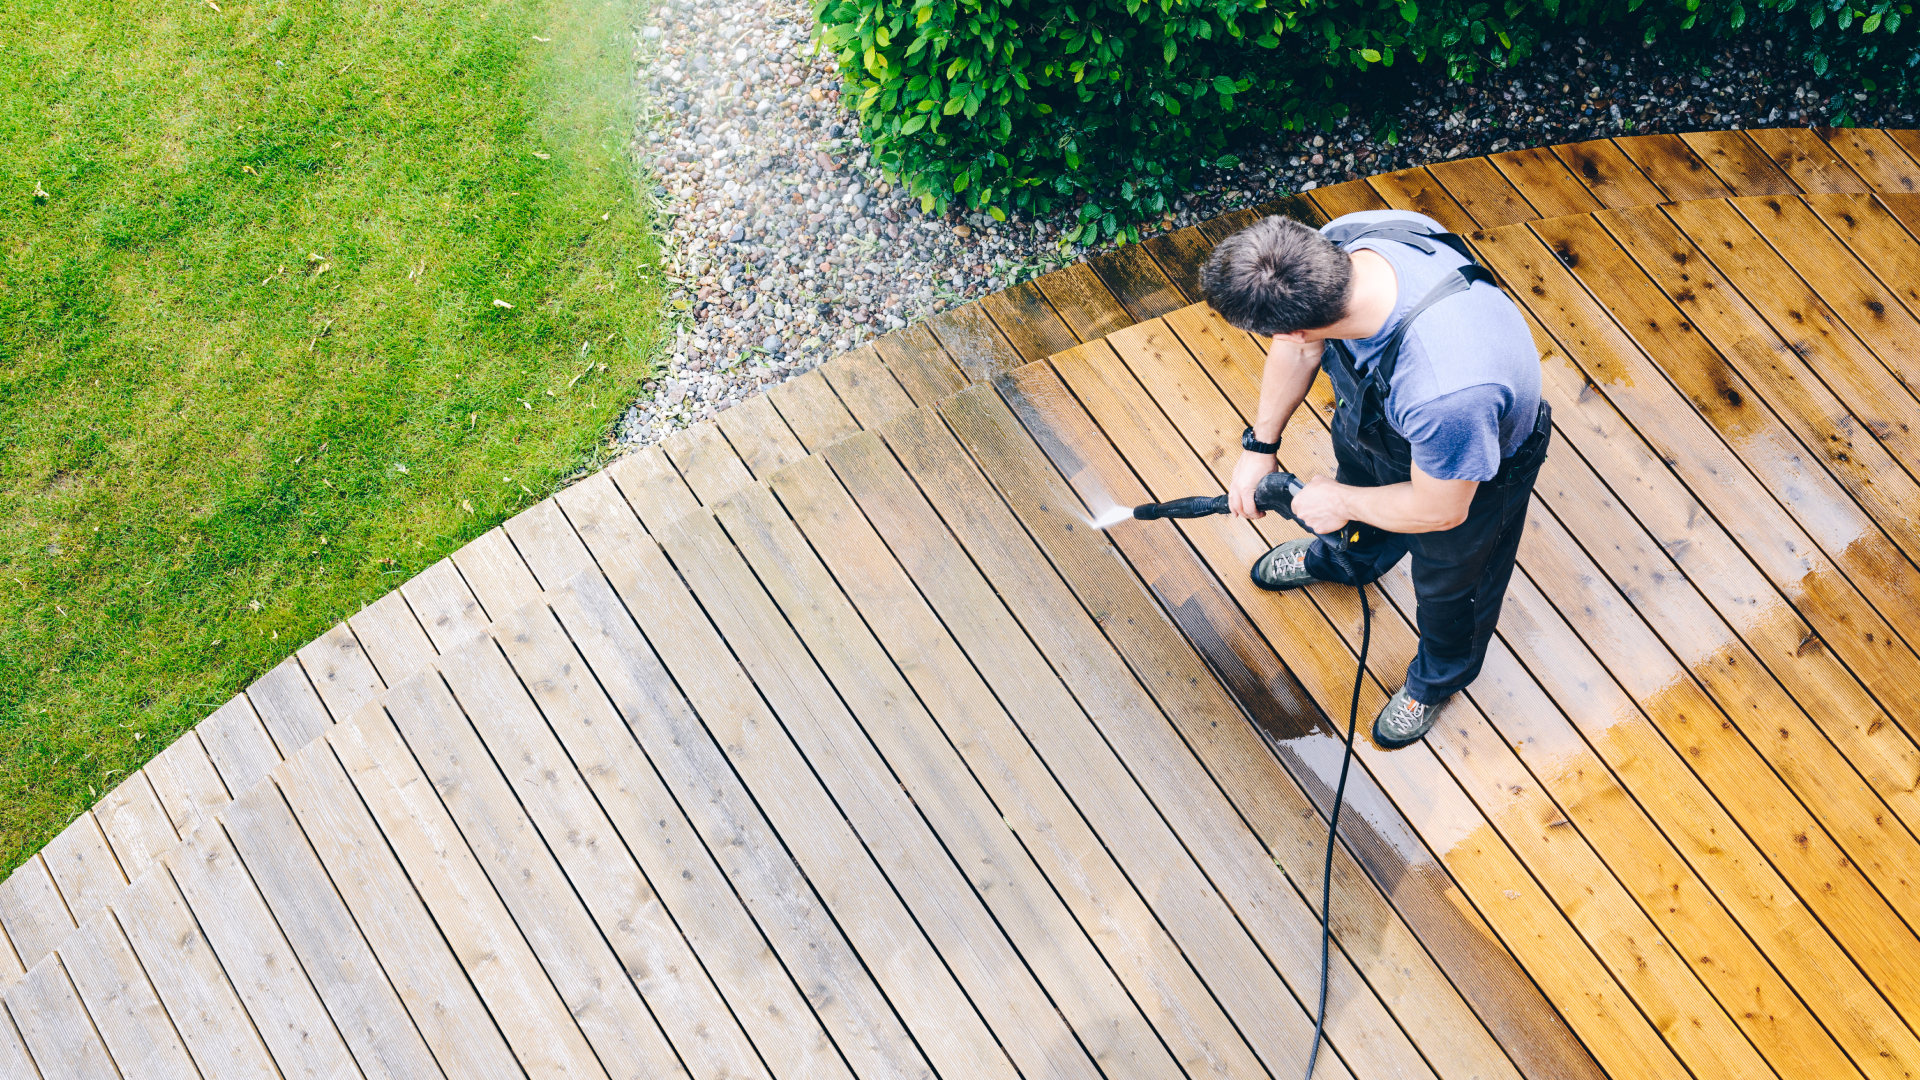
<point>1276,276</point>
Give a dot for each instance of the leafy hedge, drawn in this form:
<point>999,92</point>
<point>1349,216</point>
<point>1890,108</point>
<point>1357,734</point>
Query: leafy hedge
<point>1023,104</point>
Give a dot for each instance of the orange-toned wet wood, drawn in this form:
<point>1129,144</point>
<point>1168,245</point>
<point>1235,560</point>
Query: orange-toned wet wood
<point>1608,173</point>
<point>1740,164</point>
<point>1419,191</point>
<point>1487,197</point>
<point>1672,166</point>
<point>1545,181</point>
<point>1875,157</point>
<point>1806,160</point>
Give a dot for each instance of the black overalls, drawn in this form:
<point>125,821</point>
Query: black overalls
<point>1460,574</point>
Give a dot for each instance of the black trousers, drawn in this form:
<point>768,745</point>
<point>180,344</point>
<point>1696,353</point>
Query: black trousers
<point>1460,574</point>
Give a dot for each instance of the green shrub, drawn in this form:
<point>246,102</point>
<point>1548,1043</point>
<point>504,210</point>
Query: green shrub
<point>1007,105</point>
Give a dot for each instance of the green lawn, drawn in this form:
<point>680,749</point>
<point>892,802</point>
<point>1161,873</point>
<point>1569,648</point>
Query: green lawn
<point>257,365</point>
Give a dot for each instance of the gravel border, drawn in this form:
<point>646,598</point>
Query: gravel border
<point>783,247</point>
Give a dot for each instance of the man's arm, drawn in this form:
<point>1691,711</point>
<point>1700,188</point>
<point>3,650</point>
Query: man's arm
<point>1284,381</point>
<point>1421,505</point>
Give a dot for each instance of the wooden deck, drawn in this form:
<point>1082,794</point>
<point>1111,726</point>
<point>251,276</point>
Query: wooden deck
<point>830,741</point>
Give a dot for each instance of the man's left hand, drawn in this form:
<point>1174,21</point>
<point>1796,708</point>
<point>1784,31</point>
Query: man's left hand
<point>1321,505</point>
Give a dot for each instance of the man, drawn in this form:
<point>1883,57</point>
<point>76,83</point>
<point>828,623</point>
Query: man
<point>1438,429</point>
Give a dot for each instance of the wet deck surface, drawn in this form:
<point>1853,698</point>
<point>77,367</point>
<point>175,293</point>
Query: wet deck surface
<point>829,740</point>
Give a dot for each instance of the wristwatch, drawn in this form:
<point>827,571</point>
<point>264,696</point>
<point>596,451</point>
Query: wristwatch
<point>1248,442</point>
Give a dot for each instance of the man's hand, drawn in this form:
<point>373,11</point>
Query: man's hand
<point>1247,474</point>
<point>1321,505</point>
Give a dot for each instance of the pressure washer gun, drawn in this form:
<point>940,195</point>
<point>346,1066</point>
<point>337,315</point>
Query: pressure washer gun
<point>1275,493</point>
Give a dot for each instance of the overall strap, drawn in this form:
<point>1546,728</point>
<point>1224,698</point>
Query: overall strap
<point>1416,234</point>
<point>1459,281</point>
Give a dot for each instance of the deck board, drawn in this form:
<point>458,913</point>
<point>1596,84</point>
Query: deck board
<point>135,824</point>
<point>55,1025</point>
<point>1706,554</point>
<point>811,825</point>
<point>1608,173</point>
<point>598,991</point>
<point>830,741</point>
<point>286,705</point>
<point>252,949</point>
<point>759,436</point>
<point>83,866</point>
<point>1844,294</point>
<point>448,611</point>
<point>1264,795</point>
<point>1611,827</point>
<point>1109,796</point>
<point>174,952</point>
<point>1447,820</point>
<point>341,673</point>
<point>865,385</point>
<point>810,408</point>
<point>495,573</point>
<point>1029,321</point>
<point>707,461</point>
<point>1800,525</point>
<point>692,889</point>
<point>186,783</point>
<point>34,914</point>
<point>1179,255</point>
<point>970,772</point>
<point>1486,196</point>
<point>610,887</point>
<point>740,836</point>
<point>400,934</point>
<point>1137,281</point>
<point>924,368</point>
<point>493,953</point>
<point>1528,1029</point>
<point>121,1003</point>
<point>1686,624</point>
<point>1482,763</point>
<point>1740,164</point>
<point>1037,607</point>
<point>13,1050</point>
<point>238,744</point>
<point>1084,302</point>
<point>1673,167</point>
<point>1542,179</point>
<point>1027,1033</point>
<point>354,989</point>
<point>1807,160</point>
<point>1877,238</point>
<point>393,639</point>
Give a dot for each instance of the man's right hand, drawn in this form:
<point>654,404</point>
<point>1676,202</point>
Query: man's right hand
<point>1247,474</point>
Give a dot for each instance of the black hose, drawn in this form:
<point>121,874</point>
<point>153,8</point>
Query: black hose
<point>1333,819</point>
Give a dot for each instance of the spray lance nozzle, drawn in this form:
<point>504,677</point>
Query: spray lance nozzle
<point>1274,493</point>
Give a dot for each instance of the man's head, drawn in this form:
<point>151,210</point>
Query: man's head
<point>1277,276</point>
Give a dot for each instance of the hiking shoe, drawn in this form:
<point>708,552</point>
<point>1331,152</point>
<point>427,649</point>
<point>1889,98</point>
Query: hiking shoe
<point>1403,721</point>
<point>1285,567</point>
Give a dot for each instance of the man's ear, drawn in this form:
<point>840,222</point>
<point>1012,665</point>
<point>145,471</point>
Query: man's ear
<point>1297,337</point>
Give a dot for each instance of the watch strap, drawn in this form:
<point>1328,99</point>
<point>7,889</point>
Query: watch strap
<point>1248,442</point>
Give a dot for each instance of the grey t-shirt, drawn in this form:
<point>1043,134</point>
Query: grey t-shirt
<point>1466,390</point>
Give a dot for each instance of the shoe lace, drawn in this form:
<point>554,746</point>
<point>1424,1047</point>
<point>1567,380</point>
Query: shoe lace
<point>1294,560</point>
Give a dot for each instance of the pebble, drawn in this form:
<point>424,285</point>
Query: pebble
<point>784,247</point>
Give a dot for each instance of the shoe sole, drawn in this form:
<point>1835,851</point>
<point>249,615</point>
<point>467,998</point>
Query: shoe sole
<point>1279,588</point>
